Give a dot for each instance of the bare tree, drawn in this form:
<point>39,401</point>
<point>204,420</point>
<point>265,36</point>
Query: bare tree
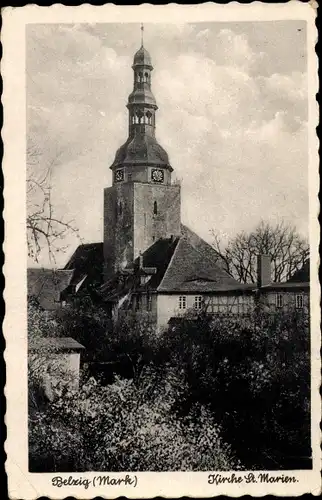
<point>44,227</point>
<point>288,251</point>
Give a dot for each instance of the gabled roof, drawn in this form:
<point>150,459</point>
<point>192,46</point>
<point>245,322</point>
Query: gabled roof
<point>193,269</point>
<point>46,285</point>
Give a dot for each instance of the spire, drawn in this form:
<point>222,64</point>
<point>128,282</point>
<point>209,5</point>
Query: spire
<point>141,146</point>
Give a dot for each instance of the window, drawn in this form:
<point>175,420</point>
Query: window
<point>120,208</point>
<point>299,301</point>
<point>149,302</point>
<point>139,115</point>
<point>149,117</point>
<point>279,300</point>
<point>155,208</point>
<point>182,302</point>
<point>129,176</point>
<point>138,303</point>
<point>198,302</point>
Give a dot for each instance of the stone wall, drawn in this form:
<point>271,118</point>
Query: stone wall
<point>136,215</point>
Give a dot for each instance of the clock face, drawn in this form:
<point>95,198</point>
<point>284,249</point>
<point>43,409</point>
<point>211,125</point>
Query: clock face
<point>119,175</point>
<point>157,175</point>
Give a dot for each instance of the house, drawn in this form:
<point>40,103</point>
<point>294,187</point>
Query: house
<point>173,276</point>
<point>291,294</point>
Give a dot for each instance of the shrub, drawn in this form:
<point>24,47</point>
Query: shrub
<point>255,374</point>
<point>123,427</point>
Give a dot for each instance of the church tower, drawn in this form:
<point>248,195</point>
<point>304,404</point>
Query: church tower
<point>142,205</point>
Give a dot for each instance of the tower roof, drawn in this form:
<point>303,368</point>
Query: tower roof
<point>142,58</point>
<point>141,149</point>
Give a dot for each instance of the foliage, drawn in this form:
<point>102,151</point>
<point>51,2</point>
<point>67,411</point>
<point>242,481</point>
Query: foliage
<point>287,249</point>
<point>127,427</point>
<point>255,374</point>
<point>251,374</point>
<point>40,323</point>
<point>87,323</point>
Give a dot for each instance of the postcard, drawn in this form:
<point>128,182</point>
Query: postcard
<point>162,298</point>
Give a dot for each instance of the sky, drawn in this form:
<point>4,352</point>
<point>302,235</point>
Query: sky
<point>232,116</point>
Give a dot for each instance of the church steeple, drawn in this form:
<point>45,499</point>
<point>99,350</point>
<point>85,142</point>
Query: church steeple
<point>141,147</point>
<point>142,205</point>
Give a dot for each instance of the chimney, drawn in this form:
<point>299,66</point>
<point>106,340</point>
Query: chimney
<point>263,270</point>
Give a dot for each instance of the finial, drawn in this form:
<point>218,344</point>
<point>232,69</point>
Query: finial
<point>142,31</point>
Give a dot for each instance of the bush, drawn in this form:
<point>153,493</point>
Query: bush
<point>125,428</point>
<point>255,374</point>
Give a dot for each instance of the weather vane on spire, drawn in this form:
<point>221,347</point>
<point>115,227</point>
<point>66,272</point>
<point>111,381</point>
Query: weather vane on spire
<point>142,31</point>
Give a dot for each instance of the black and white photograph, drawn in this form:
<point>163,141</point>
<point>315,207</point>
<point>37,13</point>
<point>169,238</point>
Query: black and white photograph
<point>168,251</point>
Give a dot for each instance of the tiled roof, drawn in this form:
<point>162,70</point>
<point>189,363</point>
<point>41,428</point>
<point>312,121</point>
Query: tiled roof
<point>46,285</point>
<point>54,344</point>
<point>86,263</point>
<point>159,255</point>
<point>202,246</point>
<point>301,275</point>
<point>156,257</point>
<point>183,264</point>
<point>192,269</point>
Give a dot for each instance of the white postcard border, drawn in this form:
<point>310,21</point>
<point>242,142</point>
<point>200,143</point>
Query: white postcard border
<point>23,484</point>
